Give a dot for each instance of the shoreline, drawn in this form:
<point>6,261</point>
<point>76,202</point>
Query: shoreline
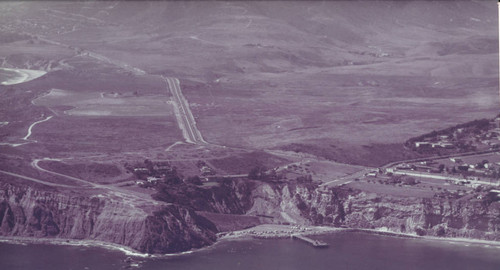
<point>426,237</point>
<point>274,231</point>
<point>73,242</point>
<point>128,251</point>
<point>24,75</point>
<point>265,231</point>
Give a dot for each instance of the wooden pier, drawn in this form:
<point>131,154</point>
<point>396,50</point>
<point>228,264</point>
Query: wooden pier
<point>314,243</point>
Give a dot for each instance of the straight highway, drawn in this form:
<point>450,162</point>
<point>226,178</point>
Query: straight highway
<point>185,117</point>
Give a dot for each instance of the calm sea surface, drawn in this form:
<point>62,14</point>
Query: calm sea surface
<point>347,251</point>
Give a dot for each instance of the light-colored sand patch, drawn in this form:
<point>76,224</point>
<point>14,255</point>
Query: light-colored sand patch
<point>99,104</point>
<point>285,231</point>
<point>125,109</point>
<point>24,75</point>
<point>58,97</point>
<point>58,93</point>
<point>277,231</point>
<point>101,101</point>
<point>50,98</point>
<point>79,112</point>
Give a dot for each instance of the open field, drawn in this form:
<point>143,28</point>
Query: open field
<point>357,115</point>
<point>279,77</point>
<point>336,82</point>
<point>91,134</point>
<point>378,188</point>
<point>94,172</point>
<point>244,162</point>
<point>323,170</point>
<point>491,157</point>
<point>106,104</point>
<point>423,187</point>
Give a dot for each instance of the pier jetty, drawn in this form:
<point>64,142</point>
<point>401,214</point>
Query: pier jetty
<point>314,243</point>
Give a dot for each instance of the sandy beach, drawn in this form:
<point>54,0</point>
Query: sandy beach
<point>274,231</point>
<point>24,75</point>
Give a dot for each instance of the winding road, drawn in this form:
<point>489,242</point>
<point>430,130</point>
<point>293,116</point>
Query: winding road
<point>124,194</point>
<point>32,125</point>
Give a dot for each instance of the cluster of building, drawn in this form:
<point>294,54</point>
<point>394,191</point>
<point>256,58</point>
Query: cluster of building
<point>205,169</point>
<point>476,170</point>
<point>463,137</point>
<point>151,172</point>
<point>491,138</point>
<point>482,170</point>
<point>442,142</point>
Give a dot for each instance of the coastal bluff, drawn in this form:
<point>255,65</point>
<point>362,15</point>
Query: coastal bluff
<point>28,212</point>
<point>179,222</point>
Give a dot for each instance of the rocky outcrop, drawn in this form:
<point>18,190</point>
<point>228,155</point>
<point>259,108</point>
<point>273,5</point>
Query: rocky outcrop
<point>438,216</point>
<point>175,227</point>
<point>230,197</point>
<point>27,212</point>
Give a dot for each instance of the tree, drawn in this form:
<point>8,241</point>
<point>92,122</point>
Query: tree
<point>149,165</point>
<point>195,180</point>
<point>410,181</point>
<point>257,173</point>
<point>304,179</point>
<point>172,179</point>
<point>441,231</point>
<point>441,168</point>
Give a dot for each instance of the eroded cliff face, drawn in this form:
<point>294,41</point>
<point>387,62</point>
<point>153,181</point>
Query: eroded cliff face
<point>28,212</point>
<point>175,226</point>
<point>230,197</point>
<point>446,217</point>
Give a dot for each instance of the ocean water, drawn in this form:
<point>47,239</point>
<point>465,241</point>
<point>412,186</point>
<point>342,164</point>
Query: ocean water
<point>347,250</point>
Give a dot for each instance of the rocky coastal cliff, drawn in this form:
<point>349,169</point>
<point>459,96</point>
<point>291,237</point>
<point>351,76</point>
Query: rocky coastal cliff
<point>475,218</point>
<point>28,212</point>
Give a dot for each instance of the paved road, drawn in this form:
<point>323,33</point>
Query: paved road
<point>127,195</point>
<point>348,178</point>
<point>443,177</point>
<point>186,118</point>
<point>36,180</point>
<point>35,165</point>
<point>431,158</point>
<point>361,173</point>
<point>34,124</point>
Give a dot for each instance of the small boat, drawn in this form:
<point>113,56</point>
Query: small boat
<point>319,244</point>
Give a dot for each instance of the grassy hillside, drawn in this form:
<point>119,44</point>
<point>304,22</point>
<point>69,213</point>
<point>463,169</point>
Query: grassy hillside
<point>265,74</point>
